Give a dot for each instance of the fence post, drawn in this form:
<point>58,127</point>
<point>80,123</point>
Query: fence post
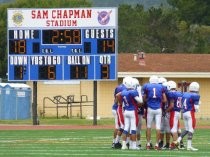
<point>34,104</point>
<point>95,103</point>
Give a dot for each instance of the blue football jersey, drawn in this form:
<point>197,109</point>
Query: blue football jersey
<point>114,106</point>
<point>128,99</point>
<point>190,99</point>
<point>177,97</point>
<point>165,105</point>
<point>143,88</point>
<point>154,95</point>
<point>118,89</point>
<point>140,110</point>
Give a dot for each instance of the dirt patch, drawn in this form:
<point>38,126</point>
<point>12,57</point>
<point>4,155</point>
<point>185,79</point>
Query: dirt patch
<point>65,127</point>
<point>53,127</point>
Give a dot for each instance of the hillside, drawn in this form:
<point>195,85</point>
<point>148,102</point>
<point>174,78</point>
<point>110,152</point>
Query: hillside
<point>115,3</point>
<point>6,1</point>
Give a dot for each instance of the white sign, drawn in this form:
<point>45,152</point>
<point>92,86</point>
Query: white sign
<point>61,18</point>
<point>21,94</point>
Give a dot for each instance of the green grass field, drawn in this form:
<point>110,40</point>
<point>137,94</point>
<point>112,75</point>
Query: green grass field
<point>46,143</point>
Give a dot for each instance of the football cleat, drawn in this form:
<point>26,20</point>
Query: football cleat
<point>128,145</point>
<point>124,147</point>
<point>160,144</point>
<point>192,149</point>
<point>112,145</point>
<point>176,144</point>
<point>140,147</point>
<point>151,146</point>
<point>182,145</point>
<point>165,146</point>
<point>157,148</point>
<point>173,146</point>
<point>134,148</point>
<point>148,147</point>
<point>118,145</point>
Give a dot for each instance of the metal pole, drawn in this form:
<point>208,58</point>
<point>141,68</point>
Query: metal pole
<point>95,103</point>
<point>34,104</point>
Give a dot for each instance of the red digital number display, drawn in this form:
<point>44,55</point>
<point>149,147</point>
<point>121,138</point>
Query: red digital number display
<point>67,36</point>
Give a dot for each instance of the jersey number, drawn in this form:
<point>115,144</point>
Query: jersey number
<point>185,104</point>
<point>154,93</point>
<point>179,102</point>
<point>126,101</point>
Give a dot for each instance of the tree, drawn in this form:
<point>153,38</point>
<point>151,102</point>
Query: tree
<point>146,30</point>
<point>194,15</point>
<point>162,29</point>
<point>131,28</point>
<point>193,11</point>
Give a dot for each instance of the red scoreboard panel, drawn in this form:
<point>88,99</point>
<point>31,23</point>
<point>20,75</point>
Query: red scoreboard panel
<point>62,44</point>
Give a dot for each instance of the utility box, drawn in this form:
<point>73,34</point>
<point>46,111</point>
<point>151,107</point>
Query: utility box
<point>15,101</point>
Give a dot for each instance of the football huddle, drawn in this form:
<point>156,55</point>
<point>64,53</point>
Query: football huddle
<point>160,104</point>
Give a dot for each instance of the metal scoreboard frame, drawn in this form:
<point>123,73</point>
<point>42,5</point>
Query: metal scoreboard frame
<point>62,44</point>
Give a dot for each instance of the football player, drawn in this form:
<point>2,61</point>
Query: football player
<point>140,111</point>
<point>174,100</point>
<point>154,96</point>
<point>117,111</point>
<point>190,105</point>
<point>165,127</point>
<point>130,96</point>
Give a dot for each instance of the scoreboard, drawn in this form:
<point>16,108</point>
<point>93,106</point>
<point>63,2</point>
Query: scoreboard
<point>62,44</point>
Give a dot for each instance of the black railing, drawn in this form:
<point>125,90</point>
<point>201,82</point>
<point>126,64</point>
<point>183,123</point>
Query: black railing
<point>68,103</point>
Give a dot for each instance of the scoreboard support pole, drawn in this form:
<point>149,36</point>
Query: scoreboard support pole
<point>95,103</point>
<point>34,104</point>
